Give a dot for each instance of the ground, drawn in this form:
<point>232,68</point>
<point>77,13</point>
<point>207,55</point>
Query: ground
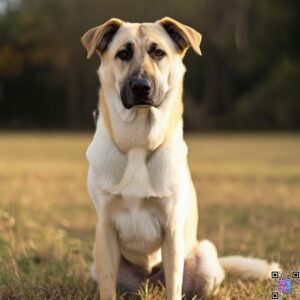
<point>249,191</point>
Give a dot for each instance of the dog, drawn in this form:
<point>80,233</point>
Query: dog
<point>138,177</point>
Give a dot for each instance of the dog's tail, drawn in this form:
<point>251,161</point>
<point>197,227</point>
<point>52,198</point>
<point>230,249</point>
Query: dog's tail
<point>248,267</point>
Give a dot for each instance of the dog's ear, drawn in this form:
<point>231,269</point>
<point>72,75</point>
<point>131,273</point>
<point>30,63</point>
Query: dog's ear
<point>183,35</point>
<point>99,37</point>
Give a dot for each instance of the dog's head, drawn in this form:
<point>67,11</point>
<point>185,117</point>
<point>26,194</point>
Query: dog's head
<point>141,62</point>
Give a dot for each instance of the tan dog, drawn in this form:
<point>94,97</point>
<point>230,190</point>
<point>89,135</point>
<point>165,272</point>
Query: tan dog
<point>138,178</point>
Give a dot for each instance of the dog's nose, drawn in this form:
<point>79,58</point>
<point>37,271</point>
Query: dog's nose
<point>140,87</point>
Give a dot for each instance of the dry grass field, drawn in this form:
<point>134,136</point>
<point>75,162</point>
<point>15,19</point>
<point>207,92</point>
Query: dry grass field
<point>249,191</point>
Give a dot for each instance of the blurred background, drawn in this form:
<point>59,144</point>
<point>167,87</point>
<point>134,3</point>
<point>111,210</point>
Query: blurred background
<point>241,99</point>
<point>247,78</point>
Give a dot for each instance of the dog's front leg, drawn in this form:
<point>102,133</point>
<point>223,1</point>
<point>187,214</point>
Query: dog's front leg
<point>107,257</point>
<point>173,258</point>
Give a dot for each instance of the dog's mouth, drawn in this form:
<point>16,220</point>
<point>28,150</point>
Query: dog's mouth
<point>140,103</point>
<point>143,102</point>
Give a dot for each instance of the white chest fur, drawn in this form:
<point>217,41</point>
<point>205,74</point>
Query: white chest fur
<point>136,219</point>
<point>138,184</point>
<point>139,229</point>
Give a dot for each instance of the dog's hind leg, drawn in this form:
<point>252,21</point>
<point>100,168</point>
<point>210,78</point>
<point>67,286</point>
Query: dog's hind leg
<point>203,273</point>
<point>130,277</point>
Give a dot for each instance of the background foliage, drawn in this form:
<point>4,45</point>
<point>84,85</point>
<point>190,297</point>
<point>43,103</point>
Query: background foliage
<point>247,78</point>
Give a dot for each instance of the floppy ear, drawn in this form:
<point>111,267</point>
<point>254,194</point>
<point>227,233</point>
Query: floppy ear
<point>99,37</point>
<point>183,35</point>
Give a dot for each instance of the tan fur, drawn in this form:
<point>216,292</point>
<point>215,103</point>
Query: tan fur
<point>174,118</point>
<point>92,37</point>
<point>107,257</point>
<point>134,219</point>
<point>175,115</point>
<point>105,113</point>
<point>139,179</point>
<point>192,37</point>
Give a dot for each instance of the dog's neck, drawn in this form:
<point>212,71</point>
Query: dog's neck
<point>146,128</point>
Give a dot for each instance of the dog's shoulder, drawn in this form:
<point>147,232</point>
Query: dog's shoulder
<point>168,167</point>
<point>106,162</point>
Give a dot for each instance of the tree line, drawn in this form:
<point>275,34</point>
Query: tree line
<point>247,78</point>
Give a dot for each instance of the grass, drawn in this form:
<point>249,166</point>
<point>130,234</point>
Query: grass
<point>249,191</point>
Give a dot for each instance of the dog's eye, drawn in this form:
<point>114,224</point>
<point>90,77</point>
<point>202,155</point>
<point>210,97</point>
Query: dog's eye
<point>124,55</point>
<point>155,52</point>
<point>159,53</point>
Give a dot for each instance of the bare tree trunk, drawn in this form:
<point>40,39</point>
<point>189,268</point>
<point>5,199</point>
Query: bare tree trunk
<point>73,94</point>
<point>242,24</point>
